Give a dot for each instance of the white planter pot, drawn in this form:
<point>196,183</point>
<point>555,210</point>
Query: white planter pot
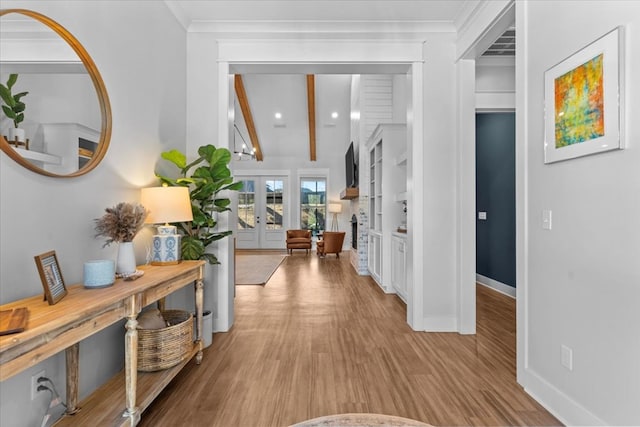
<point>16,134</point>
<point>207,328</point>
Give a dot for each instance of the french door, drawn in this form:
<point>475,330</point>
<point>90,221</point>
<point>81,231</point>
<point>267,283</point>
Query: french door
<point>263,209</point>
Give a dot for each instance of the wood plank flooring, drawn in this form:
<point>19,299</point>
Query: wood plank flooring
<point>319,340</point>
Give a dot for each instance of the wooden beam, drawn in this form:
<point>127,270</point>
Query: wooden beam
<point>248,118</point>
<point>311,102</point>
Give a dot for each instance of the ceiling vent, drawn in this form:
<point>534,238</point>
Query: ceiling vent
<point>504,46</point>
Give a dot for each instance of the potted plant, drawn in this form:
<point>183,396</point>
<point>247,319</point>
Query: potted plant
<point>120,224</point>
<point>210,177</point>
<point>13,108</point>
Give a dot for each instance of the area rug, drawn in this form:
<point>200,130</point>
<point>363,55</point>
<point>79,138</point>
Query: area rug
<point>256,269</point>
<point>361,420</point>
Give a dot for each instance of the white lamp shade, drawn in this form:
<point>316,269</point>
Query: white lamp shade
<point>166,204</point>
<point>335,208</point>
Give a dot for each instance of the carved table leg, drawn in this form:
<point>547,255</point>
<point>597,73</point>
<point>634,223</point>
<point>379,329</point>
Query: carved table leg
<point>199,285</point>
<point>131,368</point>
<point>72,357</point>
<point>161,304</point>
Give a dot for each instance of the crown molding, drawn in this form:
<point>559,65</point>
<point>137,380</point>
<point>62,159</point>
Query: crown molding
<point>466,14</point>
<point>321,29</point>
<point>178,13</point>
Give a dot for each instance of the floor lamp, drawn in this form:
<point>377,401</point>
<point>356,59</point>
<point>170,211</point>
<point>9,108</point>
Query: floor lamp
<point>335,209</point>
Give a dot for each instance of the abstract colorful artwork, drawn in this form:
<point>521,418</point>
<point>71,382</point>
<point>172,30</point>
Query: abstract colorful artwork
<point>584,100</point>
<point>579,104</point>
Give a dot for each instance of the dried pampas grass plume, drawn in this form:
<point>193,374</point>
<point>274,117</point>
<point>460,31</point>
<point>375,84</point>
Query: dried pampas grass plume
<point>121,223</point>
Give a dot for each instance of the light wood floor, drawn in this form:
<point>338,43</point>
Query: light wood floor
<point>320,340</point>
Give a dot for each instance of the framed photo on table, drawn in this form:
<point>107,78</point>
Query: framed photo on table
<point>51,276</point>
<point>584,94</point>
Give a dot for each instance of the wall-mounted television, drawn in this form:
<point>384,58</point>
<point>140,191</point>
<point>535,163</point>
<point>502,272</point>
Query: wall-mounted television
<point>351,167</point>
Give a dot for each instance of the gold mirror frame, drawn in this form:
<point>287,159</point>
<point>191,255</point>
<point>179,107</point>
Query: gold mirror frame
<point>101,92</point>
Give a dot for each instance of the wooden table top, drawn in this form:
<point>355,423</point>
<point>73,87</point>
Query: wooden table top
<point>83,303</point>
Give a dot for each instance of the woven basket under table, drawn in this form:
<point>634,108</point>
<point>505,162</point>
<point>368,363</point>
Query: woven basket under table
<point>163,348</point>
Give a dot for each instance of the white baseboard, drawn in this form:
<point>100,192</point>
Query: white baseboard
<point>561,406</point>
<point>496,286</point>
<point>440,324</point>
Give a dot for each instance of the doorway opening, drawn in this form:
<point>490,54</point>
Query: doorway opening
<point>411,67</point>
<point>262,212</point>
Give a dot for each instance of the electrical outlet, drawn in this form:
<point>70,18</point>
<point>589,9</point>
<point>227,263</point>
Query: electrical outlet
<point>35,384</point>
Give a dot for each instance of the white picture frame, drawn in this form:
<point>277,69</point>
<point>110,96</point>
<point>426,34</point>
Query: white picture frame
<point>584,101</point>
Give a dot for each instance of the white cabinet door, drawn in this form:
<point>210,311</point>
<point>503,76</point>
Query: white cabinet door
<point>375,256</point>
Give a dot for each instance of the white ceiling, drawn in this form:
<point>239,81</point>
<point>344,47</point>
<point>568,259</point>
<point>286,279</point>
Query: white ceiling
<point>288,137</point>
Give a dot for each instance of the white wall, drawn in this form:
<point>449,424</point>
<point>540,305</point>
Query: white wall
<point>143,67</point>
<point>495,83</point>
<point>399,98</point>
<point>582,282</point>
<point>439,186</point>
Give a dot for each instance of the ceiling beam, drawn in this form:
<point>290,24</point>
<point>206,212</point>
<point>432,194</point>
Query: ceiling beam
<point>311,103</point>
<point>246,113</point>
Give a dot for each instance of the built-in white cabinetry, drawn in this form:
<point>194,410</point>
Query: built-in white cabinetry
<point>387,183</point>
<point>399,264</point>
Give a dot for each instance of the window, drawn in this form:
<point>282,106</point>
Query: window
<point>313,204</point>
<point>274,205</point>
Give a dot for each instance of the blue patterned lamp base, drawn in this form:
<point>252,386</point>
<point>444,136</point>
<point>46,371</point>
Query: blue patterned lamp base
<point>166,246</point>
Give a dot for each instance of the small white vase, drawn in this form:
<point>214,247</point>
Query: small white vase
<point>126,263</point>
<point>16,134</point>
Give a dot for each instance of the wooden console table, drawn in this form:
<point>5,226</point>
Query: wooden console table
<point>82,313</point>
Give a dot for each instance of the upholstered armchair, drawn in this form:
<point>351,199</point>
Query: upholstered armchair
<point>331,243</point>
<point>298,239</point>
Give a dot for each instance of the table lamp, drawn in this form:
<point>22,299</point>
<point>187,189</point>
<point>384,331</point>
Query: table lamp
<point>165,205</point>
<point>335,209</point>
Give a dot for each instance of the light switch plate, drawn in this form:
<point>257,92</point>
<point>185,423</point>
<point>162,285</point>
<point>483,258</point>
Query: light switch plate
<point>482,216</point>
<point>546,220</point>
<point>566,357</point>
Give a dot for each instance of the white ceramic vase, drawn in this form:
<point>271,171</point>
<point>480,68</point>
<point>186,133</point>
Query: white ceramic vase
<point>16,134</point>
<point>126,263</point>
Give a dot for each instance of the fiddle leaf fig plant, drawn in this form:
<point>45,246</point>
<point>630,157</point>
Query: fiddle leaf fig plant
<point>210,177</point>
<point>14,107</point>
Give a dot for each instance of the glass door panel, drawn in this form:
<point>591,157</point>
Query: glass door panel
<point>248,236</point>
<point>261,213</point>
<point>274,204</point>
<point>247,206</point>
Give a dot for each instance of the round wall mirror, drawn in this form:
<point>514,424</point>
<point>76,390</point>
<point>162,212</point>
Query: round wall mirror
<point>66,127</point>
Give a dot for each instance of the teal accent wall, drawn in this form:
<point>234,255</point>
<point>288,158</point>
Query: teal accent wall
<point>495,195</point>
